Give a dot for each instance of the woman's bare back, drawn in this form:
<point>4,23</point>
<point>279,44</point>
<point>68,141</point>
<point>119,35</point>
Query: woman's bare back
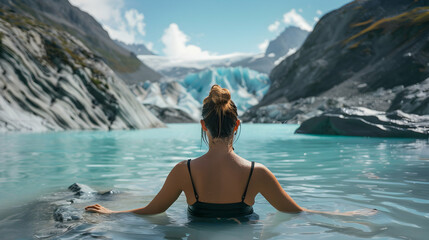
<point>221,180</point>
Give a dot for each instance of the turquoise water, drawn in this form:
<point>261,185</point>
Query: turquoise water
<point>319,172</point>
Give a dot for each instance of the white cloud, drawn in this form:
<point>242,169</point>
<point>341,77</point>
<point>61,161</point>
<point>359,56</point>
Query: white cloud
<point>175,42</point>
<point>120,34</point>
<point>293,18</point>
<point>300,10</point>
<point>127,27</point>
<point>319,12</point>
<point>105,11</point>
<point>149,46</point>
<point>316,19</point>
<point>274,26</point>
<point>135,20</point>
<point>263,46</point>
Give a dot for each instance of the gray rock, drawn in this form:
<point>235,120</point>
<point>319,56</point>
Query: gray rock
<point>81,190</point>
<point>170,114</point>
<point>358,121</point>
<point>65,210</point>
<point>67,213</point>
<point>304,108</point>
<point>292,112</point>
<point>413,99</point>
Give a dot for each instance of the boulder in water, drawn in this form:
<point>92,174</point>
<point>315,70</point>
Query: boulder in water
<point>359,121</point>
<point>67,213</point>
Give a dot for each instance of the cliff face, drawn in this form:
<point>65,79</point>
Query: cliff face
<point>359,48</point>
<point>51,81</point>
<point>62,15</point>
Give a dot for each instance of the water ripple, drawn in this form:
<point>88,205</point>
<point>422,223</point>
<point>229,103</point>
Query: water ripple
<point>322,173</point>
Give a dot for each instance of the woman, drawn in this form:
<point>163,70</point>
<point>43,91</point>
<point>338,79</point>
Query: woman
<point>220,183</point>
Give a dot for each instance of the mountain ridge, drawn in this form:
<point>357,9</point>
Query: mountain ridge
<point>62,15</point>
<point>136,48</point>
<point>51,81</point>
<point>332,54</point>
<point>371,54</point>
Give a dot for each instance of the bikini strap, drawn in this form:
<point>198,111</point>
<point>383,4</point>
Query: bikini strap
<point>192,181</point>
<point>248,180</point>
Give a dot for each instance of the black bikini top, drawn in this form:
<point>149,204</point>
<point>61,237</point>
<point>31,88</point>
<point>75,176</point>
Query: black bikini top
<point>221,210</point>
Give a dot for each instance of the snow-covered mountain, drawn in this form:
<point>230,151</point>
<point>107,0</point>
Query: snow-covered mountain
<point>247,87</point>
<point>278,49</point>
<point>291,38</point>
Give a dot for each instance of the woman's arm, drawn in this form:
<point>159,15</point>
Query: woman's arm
<point>362,212</point>
<point>271,189</point>
<point>168,194</point>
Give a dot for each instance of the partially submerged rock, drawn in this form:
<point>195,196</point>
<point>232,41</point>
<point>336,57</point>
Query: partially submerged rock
<point>81,189</point>
<point>359,121</point>
<point>65,211</point>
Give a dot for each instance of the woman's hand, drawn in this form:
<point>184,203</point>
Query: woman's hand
<point>98,208</point>
<point>360,212</point>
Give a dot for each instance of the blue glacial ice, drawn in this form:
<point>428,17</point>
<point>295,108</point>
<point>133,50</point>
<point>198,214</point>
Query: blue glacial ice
<point>247,87</point>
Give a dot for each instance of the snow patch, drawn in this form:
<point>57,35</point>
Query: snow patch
<point>280,59</point>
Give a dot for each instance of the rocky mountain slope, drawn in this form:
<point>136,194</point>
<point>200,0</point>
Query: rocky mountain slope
<point>169,101</point>
<point>364,53</point>
<point>62,15</point>
<point>51,81</point>
<point>278,49</point>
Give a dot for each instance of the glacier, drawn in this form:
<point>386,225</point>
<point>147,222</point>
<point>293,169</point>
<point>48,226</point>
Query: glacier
<point>247,87</point>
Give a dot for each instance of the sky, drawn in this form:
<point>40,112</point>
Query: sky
<point>199,28</point>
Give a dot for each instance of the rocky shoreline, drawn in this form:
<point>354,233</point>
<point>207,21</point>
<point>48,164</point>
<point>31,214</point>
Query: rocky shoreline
<point>413,99</point>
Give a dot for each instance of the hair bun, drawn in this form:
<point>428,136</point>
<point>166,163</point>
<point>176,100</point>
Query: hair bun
<point>219,96</point>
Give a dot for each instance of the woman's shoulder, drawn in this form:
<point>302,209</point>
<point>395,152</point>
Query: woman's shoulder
<point>181,165</point>
<point>261,172</point>
<point>256,165</point>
